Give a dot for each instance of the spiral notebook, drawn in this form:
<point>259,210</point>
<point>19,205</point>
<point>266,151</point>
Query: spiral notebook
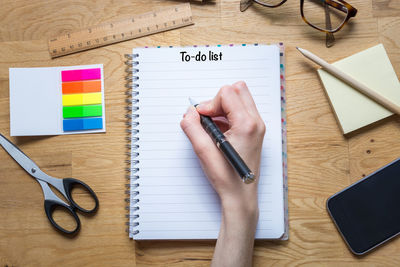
<point>169,195</point>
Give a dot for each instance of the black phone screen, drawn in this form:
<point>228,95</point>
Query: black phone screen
<point>367,213</point>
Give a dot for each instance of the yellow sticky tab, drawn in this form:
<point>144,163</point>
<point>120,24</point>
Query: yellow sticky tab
<point>81,99</point>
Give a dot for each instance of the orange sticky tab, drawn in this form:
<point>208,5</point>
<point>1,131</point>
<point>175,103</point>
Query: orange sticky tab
<point>81,87</point>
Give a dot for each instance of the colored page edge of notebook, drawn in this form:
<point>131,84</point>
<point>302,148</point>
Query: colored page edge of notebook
<point>352,109</point>
<point>82,111</point>
<point>82,124</point>
<point>81,99</point>
<point>81,87</point>
<point>284,140</point>
<point>80,75</point>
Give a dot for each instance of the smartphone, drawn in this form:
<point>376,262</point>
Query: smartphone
<point>367,213</point>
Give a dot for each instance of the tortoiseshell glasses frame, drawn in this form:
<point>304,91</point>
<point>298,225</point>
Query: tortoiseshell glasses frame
<point>339,5</point>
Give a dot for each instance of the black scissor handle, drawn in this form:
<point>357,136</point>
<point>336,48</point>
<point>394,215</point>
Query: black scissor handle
<point>51,205</point>
<point>69,184</point>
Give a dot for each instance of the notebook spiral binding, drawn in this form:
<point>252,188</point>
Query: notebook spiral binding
<point>132,171</point>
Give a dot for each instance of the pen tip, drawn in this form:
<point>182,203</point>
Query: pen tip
<point>192,101</point>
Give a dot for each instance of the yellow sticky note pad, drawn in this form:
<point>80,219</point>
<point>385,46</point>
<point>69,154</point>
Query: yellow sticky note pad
<point>371,67</point>
<point>81,99</point>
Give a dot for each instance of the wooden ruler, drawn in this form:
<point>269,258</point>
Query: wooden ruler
<point>122,30</point>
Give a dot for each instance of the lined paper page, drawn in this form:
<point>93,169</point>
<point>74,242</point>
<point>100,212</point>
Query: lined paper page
<point>176,200</point>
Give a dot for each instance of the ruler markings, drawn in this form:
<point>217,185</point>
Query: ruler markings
<point>118,31</point>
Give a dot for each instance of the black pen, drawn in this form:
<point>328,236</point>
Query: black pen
<point>227,149</point>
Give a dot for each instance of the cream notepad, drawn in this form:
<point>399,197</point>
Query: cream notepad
<point>170,197</point>
<point>371,67</point>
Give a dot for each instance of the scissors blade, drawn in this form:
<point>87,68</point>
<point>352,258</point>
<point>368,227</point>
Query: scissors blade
<point>26,163</point>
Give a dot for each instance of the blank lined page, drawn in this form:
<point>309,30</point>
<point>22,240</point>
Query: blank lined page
<point>175,198</point>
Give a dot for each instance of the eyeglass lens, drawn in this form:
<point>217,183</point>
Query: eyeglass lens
<point>323,15</point>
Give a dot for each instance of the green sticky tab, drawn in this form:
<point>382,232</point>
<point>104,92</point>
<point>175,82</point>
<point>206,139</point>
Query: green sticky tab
<point>82,111</point>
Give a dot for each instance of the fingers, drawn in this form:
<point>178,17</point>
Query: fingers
<point>202,144</point>
<point>246,97</point>
<point>230,99</point>
<point>222,123</point>
<point>237,105</point>
<point>226,103</point>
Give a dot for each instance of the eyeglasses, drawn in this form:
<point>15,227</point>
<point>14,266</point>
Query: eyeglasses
<point>327,16</point>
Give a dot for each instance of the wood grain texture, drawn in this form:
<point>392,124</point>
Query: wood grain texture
<point>321,160</point>
<point>386,8</point>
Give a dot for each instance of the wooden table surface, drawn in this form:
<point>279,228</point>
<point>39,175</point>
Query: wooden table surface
<point>321,160</point>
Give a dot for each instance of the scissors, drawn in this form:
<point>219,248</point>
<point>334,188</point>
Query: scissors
<point>51,200</point>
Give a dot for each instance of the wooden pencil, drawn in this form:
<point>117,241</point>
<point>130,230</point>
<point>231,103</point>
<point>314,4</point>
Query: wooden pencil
<point>362,88</point>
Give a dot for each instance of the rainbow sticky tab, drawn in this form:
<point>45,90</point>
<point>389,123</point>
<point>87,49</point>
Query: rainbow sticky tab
<point>81,87</point>
<point>80,75</point>
<point>83,124</point>
<point>81,99</point>
<point>82,111</point>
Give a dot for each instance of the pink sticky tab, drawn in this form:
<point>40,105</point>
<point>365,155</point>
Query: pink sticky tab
<point>80,75</point>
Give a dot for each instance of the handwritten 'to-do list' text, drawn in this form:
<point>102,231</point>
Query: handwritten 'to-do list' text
<point>210,56</point>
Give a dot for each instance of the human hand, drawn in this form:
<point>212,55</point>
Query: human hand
<point>234,111</point>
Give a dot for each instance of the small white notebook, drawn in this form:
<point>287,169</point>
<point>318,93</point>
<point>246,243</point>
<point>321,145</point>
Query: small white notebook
<point>38,106</point>
<point>170,197</point>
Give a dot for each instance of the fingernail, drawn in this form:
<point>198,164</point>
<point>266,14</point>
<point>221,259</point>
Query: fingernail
<point>203,106</point>
<point>192,110</point>
<point>241,85</point>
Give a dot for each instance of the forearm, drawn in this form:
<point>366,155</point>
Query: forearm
<point>243,126</point>
<point>236,238</point>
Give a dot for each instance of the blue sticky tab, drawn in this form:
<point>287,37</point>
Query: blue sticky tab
<point>82,124</point>
<point>72,125</point>
<point>92,123</point>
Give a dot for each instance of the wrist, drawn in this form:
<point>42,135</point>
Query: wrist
<point>240,210</point>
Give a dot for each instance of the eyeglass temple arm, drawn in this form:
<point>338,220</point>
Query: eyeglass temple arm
<point>244,4</point>
<point>330,39</point>
<point>344,8</point>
